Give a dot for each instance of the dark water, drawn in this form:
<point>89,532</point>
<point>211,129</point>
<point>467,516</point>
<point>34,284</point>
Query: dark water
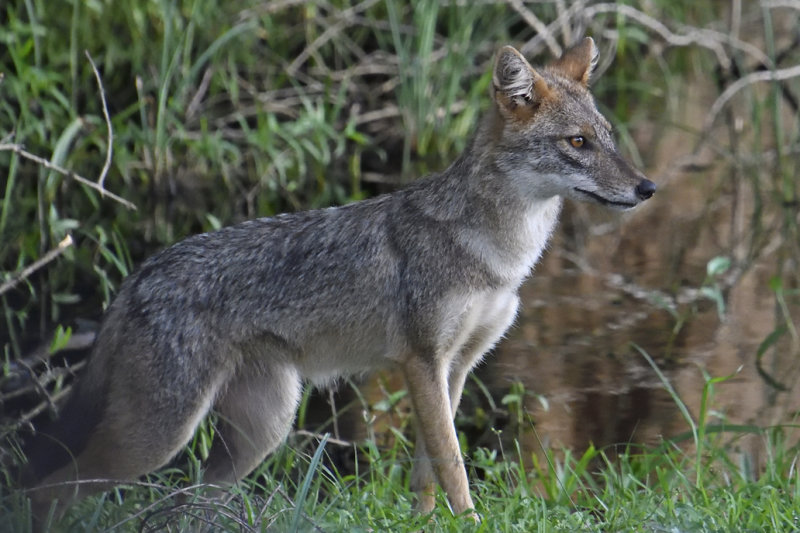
<point>613,286</point>
<point>610,284</point>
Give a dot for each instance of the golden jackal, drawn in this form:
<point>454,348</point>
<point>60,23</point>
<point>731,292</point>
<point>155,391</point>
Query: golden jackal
<point>425,279</point>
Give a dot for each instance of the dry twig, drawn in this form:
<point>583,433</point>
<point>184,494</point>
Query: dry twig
<point>36,265</point>
<point>346,19</point>
<point>18,149</point>
<point>741,83</point>
<point>107,164</point>
<point>710,39</point>
<point>534,22</point>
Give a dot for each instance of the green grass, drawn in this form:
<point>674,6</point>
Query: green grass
<point>229,110</point>
<point>700,483</point>
<point>703,480</point>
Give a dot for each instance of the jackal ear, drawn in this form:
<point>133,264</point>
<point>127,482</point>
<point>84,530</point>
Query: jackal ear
<point>578,62</point>
<point>516,84</point>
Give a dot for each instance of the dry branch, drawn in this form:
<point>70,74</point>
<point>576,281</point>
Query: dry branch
<point>709,39</point>
<point>18,149</point>
<point>36,265</point>
<point>13,385</point>
<point>102,91</point>
<point>347,18</point>
<point>535,23</point>
<point>741,83</point>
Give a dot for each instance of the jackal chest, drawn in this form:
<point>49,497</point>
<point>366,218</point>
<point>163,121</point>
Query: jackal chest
<point>473,322</point>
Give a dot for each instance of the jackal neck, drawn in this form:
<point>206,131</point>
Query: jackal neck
<point>504,231</point>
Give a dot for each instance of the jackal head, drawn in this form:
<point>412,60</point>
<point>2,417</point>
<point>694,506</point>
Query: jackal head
<point>551,139</point>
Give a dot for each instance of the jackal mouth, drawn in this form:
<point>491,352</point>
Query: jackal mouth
<point>605,201</point>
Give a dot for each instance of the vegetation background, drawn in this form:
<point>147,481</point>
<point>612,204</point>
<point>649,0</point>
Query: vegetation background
<point>200,114</point>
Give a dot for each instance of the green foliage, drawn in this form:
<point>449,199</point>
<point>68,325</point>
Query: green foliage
<point>711,288</point>
<point>672,487</point>
<point>228,110</point>
<point>429,95</point>
<point>220,111</point>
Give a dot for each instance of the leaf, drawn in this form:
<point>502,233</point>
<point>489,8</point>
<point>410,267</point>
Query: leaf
<point>715,295</point>
<point>60,339</point>
<point>511,399</point>
<point>718,265</point>
<point>213,221</point>
<point>771,339</point>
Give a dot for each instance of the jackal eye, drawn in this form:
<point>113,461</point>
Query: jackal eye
<point>577,141</point>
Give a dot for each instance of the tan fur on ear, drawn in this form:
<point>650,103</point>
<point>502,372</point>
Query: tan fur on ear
<point>578,62</point>
<point>518,88</point>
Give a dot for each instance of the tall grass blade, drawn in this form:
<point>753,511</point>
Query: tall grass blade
<point>310,474</point>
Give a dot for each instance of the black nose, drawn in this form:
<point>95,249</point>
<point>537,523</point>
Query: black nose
<point>645,189</point>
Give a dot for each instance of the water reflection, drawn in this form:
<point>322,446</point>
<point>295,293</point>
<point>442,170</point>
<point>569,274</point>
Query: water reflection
<point>608,284</point>
<point>588,303</point>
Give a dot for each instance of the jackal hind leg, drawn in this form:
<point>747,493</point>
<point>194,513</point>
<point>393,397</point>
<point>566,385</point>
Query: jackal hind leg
<point>137,435</point>
<point>256,412</point>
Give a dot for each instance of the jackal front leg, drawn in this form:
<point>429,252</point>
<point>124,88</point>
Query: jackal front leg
<point>427,384</point>
<point>423,480</point>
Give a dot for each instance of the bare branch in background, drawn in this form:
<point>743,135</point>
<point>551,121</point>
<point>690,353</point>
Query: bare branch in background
<point>18,149</point>
<point>709,39</point>
<point>792,4</point>
<point>712,40</point>
<point>741,83</point>
<point>109,150</point>
<point>541,29</point>
<point>347,18</point>
<point>36,265</point>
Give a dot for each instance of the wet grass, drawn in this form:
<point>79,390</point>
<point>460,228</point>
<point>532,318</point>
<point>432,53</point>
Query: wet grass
<point>222,111</point>
<point>701,481</point>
